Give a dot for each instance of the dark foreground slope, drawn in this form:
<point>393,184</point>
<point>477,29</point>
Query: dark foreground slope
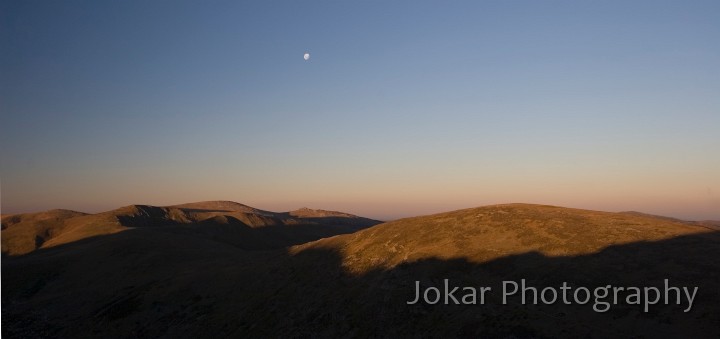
<point>151,282</point>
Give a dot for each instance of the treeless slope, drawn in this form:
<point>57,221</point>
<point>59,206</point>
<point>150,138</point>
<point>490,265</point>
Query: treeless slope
<point>712,224</point>
<point>36,230</point>
<point>339,218</point>
<point>222,206</point>
<point>546,245</point>
<point>487,233</point>
<point>23,233</point>
<point>28,232</point>
<point>314,213</point>
<point>178,281</point>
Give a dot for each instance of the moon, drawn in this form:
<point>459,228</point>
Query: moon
<point>306,56</point>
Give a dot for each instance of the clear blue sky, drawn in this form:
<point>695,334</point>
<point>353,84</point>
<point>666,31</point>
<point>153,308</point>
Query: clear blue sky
<point>403,108</point>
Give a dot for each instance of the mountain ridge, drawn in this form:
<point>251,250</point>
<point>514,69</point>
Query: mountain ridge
<point>225,278</point>
<point>547,229</point>
<point>27,232</point>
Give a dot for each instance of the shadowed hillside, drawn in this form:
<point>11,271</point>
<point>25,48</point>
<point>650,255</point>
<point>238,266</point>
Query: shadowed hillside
<point>24,233</point>
<point>180,282</point>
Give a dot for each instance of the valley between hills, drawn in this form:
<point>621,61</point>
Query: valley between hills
<point>224,269</point>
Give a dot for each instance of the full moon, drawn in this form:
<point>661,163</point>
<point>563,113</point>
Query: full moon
<point>306,56</point>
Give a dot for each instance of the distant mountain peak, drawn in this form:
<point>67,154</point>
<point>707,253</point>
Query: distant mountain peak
<point>219,205</point>
<point>305,212</point>
<point>24,233</point>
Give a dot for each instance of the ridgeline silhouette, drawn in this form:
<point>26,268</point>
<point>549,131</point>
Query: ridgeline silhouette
<point>200,279</point>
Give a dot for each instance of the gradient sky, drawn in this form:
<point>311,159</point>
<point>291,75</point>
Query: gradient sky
<point>404,108</point>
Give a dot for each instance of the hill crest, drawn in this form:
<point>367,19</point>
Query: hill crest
<point>24,233</point>
<point>485,233</point>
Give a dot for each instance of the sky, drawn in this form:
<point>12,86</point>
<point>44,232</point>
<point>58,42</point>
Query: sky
<point>404,107</point>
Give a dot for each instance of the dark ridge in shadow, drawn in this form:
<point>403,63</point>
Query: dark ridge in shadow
<point>236,233</point>
<point>151,216</point>
<point>154,282</point>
